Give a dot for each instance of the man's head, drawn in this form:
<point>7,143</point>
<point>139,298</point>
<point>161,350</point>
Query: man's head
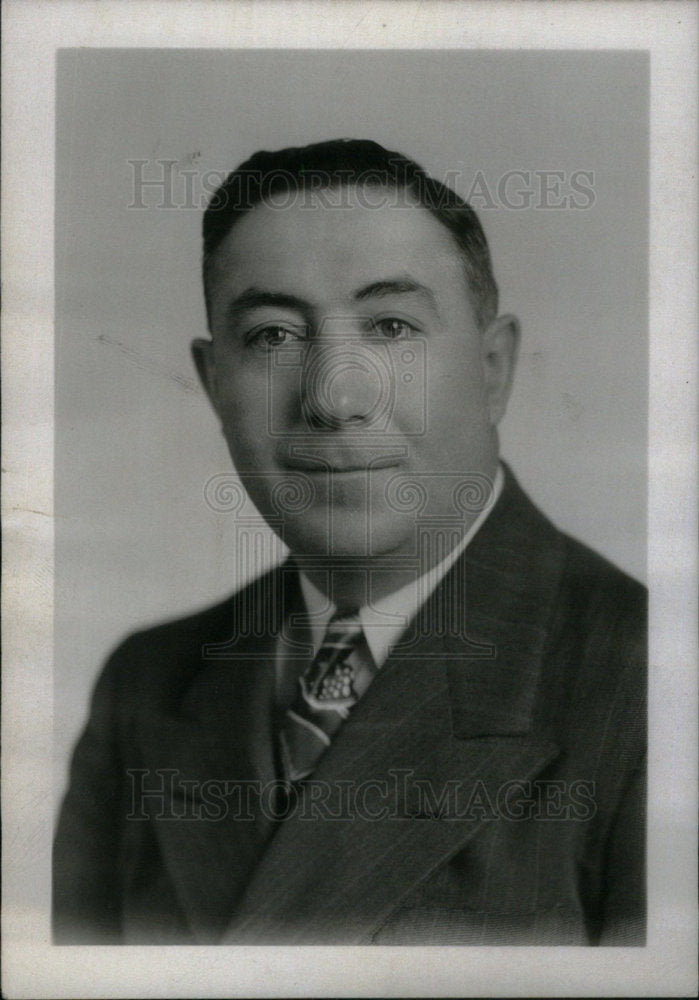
<point>356,347</point>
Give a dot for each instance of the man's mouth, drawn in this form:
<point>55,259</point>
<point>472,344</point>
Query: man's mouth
<point>324,464</point>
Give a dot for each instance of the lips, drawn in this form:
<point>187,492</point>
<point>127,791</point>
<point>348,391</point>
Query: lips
<point>324,463</point>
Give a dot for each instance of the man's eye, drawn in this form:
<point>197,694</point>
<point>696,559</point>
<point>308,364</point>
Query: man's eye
<point>393,328</point>
<point>276,335</point>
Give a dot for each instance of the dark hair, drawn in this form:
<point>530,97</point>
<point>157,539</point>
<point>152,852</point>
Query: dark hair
<point>351,162</point>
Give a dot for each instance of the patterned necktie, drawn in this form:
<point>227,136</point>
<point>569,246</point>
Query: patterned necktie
<point>338,676</point>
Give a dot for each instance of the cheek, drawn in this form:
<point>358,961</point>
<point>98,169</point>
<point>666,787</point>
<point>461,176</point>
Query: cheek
<point>240,388</point>
<point>243,413</point>
<point>454,371</point>
<point>456,398</point>
<point>252,391</point>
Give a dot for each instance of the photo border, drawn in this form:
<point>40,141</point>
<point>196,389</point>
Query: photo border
<point>32,967</point>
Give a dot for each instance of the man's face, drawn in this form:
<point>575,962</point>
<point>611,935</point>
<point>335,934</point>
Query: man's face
<point>346,361</point>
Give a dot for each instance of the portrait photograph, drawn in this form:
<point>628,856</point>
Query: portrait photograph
<point>359,583</point>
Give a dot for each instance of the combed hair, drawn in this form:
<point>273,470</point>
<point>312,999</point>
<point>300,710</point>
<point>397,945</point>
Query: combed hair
<point>351,162</point>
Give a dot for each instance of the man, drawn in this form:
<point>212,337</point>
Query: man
<point>428,725</point>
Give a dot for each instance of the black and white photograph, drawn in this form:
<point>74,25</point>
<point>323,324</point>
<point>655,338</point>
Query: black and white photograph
<point>353,531</point>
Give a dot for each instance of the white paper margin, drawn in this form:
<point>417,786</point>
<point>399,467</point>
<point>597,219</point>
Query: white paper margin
<point>32,967</point>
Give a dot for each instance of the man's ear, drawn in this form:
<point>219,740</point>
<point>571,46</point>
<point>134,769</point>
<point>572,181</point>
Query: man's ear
<point>204,362</point>
<point>500,352</point>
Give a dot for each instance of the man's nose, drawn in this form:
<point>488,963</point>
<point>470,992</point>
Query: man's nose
<point>345,382</point>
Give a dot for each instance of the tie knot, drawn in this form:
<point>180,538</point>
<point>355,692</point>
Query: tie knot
<point>330,677</point>
<point>343,625</point>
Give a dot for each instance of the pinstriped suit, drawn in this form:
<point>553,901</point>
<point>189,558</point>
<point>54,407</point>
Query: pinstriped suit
<point>498,780</point>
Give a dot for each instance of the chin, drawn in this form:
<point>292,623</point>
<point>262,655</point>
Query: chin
<point>354,536</point>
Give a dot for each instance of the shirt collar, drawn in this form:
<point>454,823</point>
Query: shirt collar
<point>385,619</point>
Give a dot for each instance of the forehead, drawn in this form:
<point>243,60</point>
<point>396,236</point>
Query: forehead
<point>324,251</point>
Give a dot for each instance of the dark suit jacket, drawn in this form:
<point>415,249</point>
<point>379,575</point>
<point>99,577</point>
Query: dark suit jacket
<point>488,788</point>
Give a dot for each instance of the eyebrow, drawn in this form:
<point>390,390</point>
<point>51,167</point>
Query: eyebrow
<point>397,286</point>
<point>255,298</point>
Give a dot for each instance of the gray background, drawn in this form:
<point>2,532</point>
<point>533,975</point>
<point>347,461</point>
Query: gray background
<point>135,441</point>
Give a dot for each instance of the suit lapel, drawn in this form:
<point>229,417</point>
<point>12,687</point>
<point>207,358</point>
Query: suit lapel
<point>213,754</point>
<point>448,718</point>
<point>507,587</point>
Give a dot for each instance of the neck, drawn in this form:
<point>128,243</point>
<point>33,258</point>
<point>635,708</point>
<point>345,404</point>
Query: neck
<point>353,582</point>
